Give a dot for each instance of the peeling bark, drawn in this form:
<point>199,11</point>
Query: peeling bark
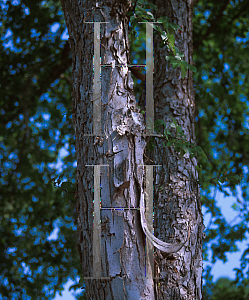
<point>122,147</point>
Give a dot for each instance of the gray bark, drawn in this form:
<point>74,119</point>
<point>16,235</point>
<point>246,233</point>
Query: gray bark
<point>122,239</point>
<point>178,199</point>
<point>121,146</point>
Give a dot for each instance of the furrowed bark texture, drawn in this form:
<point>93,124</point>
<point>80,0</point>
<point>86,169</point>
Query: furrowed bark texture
<point>120,147</point>
<point>177,199</point>
<point>176,193</point>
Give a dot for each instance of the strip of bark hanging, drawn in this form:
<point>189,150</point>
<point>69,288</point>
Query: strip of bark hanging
<point>163,246</point>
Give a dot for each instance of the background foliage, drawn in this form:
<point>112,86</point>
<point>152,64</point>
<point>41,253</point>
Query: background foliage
<point>37,230</point>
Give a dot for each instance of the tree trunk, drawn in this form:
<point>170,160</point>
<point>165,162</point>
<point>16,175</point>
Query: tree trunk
<point>122,239</point>
<point>117,147</point>
<point>176,198</point>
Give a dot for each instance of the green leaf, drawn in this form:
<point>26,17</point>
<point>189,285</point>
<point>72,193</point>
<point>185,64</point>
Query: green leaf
<point>174,26</point>
<point>165,134</point>
<point>174,121</point>
<point>157,28</point>
<point>168,132</point>
<point>163,19</point>
<point>132,18</point>
<point>152,5</point>
<point>176,64</point>
<point>139,14</point>
<point>140,9</point>
<point>192,68</point>
<point>171,32</point>
<point>170,143</point>
<point>201,152</point>
<point>171,39</point>
<point>159,122</point>
<point>183,70</point>
<point>183,62</point>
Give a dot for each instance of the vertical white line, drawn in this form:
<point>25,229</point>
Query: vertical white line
<point>149,80</point>
<point>96,226</point>
<point>149,222</point>
<point>97,82</point>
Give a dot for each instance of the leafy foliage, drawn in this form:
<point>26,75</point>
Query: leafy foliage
<point>222,109</point>
<point>220,44</point>
<point>226,289</point>
<point>35,125</point>
<point>142,13</point>
<point>36,137</point>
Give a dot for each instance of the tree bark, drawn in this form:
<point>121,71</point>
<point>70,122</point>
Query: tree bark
<point>177,197</point>
<point>121,147</point>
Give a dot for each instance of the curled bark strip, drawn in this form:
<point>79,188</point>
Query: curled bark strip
<point>163,246</point>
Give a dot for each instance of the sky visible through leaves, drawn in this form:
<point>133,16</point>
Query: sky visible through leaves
<point>37,143</point>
